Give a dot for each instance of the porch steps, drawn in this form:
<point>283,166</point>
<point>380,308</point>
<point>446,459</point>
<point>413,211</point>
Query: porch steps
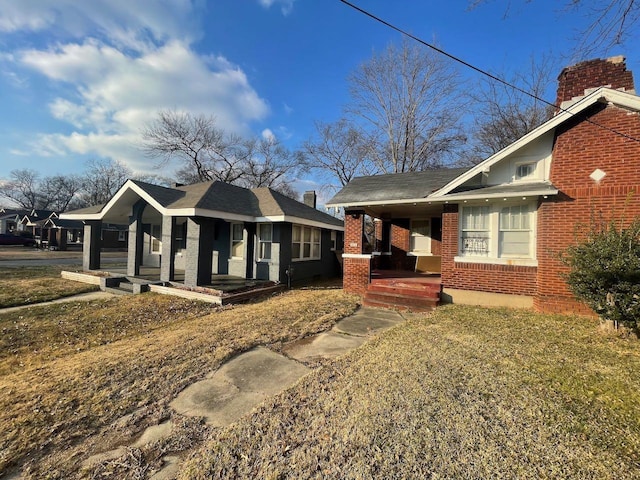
<point>402,295</point>
<point>126,286</point>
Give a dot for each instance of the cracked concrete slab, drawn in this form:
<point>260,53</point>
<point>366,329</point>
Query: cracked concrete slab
<point>238,386</point>
<point>325,345</point>
<point>368,322</point>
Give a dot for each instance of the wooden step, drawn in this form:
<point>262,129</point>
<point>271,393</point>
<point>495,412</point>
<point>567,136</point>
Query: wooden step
<point>419,290</point>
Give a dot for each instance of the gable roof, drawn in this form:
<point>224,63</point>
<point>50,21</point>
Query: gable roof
<point>394,187</point>
<point>406,188</point>
<point>600,95</point>
<point>212,199</point>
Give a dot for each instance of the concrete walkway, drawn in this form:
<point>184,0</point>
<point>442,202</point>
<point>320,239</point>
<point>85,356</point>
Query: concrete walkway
<point>245,381</point>
<point>81,297</point>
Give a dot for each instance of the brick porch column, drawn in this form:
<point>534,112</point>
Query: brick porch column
<point>357,266</point>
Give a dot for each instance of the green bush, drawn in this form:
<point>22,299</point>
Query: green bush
<point>605,272</point>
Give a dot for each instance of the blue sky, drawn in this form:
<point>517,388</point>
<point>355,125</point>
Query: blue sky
<point>79,79</point>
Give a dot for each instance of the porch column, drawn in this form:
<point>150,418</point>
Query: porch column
<point>136,236</point>
<point>168,252</point>
<point>197,270</point>
<point>62,238</point>
<point>91,245</point>
<point>356,265</point>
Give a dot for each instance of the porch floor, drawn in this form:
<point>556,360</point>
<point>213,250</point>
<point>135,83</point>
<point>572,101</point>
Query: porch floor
<point>224,283</point>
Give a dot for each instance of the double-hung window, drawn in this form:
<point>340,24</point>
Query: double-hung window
<point>237,240</point>
<point>515,231</point>
<point>305,243</point>
<point>475,236</point>
<point>420,236</point>
<point>156,238</point>
<point>265,236</point>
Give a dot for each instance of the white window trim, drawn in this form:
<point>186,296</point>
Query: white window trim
<point>259,242</point>
<point>152,237</point>
<point>231,240</point>
<point>494,234</point>
<point>533,177</point>
<point>302,258</point>
<point>419,253</point>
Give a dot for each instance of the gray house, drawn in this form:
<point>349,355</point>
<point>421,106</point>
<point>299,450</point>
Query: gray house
<point>214,228</point>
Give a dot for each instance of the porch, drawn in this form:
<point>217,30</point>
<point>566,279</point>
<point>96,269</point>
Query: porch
<point>403,290</point>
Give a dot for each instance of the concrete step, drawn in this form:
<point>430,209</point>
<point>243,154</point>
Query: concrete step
<point>400,299</point>
<point>397,306</point>
<point>118,291</point>
<point>421,290</point>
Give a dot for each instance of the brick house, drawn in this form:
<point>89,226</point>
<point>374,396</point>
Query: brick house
<point>493,233</point>
<point>213,228</point>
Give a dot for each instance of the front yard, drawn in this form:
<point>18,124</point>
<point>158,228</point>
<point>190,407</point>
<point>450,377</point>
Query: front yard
<point>461,393</point>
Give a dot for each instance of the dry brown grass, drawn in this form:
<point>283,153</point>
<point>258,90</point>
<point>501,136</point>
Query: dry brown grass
<point>463,393</point>
<point>62,405</point>
<point>25,286</point>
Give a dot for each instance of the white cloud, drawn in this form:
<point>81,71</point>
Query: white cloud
<point>286,6</point>
<point>115,94</point>
<point>127,23</point>
<point>267,134</point>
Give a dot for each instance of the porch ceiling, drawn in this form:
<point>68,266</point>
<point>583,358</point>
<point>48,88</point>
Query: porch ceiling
<point>403,210</point>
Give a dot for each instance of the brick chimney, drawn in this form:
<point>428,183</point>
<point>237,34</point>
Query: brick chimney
<point>309,198</point>
<point>578,80</point>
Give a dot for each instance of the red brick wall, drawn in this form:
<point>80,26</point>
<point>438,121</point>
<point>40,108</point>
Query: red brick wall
<point>580,148</point>
<point>353,229</point>
<point>574,80</point>
<point>483,277</point>
<point>356,275</point>
<point>400,245</point>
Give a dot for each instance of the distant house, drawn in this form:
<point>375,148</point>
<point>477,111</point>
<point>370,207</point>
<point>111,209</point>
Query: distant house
<point>494,232</point>
<point>9,219</point>
<point>215,228</point>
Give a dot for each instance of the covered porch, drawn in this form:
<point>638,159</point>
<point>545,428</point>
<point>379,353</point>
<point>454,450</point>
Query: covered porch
<point>161,247</point>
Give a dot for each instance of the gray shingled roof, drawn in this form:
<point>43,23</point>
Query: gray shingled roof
<point>223,197</point>
<point>395,186</point>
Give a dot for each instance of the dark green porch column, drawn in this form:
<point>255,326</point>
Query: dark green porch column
<point>168,258</point>
<point>135,245</point>
<point>197,270</point>
<point>91,245</point>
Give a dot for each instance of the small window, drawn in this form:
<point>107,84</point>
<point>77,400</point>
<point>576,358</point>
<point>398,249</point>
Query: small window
<point>475,237</point>
<point>525,170</point>
<point>122,235</point>
<point>156,238</point>
<point>334,240</point>
<point>265,235</point>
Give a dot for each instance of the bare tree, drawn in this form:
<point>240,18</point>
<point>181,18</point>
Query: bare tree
<point>206,151</point>
<point>22,188</point>
<point>504,114</point>
<point>406,100</point>
<point>101,181</point>
<point>209,153</point>
<point>609,22</point>
<point>60,191</point>
<point>337,151</point>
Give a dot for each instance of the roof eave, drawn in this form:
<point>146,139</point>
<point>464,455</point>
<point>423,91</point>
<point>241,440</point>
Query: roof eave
<point>599,95</point>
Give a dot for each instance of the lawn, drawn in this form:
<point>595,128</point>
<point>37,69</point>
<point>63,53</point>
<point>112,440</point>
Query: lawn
<point>463,393</point>
<point>80,378</point>
<point>24,286</point>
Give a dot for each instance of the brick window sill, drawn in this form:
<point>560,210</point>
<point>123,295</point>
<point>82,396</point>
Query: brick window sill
<point>520,262</point>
